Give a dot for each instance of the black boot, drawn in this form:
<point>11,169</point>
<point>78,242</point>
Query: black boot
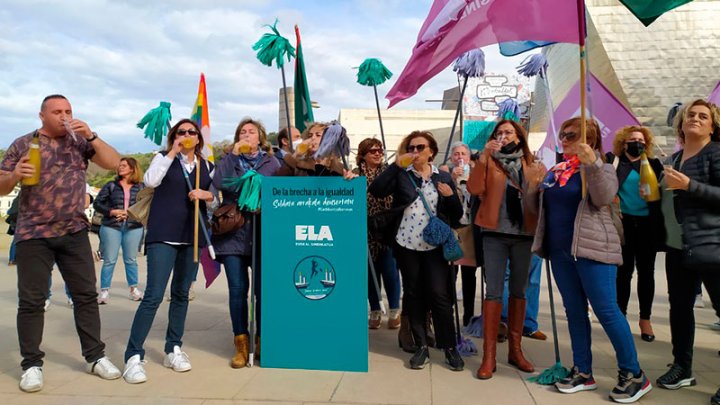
<point>420,358</point>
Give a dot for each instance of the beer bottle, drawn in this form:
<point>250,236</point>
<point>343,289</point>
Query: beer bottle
<point>34,154</point>
<point>648,180</point>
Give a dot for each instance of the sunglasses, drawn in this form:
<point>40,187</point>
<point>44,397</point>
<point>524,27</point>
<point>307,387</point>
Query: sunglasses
<point>419,148</point>
<point>375,151</point>
<point>190,132</point>
<point>569,136</point>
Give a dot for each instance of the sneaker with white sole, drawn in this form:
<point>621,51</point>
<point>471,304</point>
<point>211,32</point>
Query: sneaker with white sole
<point>630,388</point>
<point>136,294</point>
<point>104,369</point>
<point>576,382</point>
<point>32,380</point>
<point>134,372</point>
<point>103,297</point>
<point>676,378</point>
<point>178,360</point>
<point>46,307</point>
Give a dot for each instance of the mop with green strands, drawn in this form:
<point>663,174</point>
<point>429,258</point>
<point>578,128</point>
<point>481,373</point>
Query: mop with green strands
<point>156,122</point>
<point>470,64</point>
<point>557,372</point>
<point>373,73</point>
<point>273,46</point>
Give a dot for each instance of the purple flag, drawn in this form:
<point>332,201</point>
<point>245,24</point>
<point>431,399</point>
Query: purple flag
<point>211,268</point>
<point>609,112</point>
<point>715,95</point>
<point>456,26</point>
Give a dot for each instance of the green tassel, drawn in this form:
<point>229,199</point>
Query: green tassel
<point>249,187</point>
<point>157,121</point>
<point>372,73</point>
<point>273,46</point>
<point>551,375</point>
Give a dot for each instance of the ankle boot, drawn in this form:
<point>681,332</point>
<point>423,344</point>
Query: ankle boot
<point>491,321</point>
<point>516,318</point>
<point>240,358</point>
<point>406,341</point>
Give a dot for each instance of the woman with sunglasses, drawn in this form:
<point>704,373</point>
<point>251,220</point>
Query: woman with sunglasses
<point>371,162</point>
<point>169,244</point>
<point>691,197</point>
<point>426,275</point>
<point>506,180</point>
<point>302,162</point>
<point>578,234</point>
<point>643,231</point>
<point>250,151</point>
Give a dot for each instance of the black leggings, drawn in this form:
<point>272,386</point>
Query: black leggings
<point>639,251</point>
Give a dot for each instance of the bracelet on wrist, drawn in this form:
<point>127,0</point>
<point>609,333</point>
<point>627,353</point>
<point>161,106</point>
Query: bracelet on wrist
<point>92,138</point>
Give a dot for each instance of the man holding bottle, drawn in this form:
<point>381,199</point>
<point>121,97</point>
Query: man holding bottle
<point>52,228</point>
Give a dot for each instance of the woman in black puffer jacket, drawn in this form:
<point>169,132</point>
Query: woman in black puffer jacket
<point>117,229</point>
<point>694,176</point>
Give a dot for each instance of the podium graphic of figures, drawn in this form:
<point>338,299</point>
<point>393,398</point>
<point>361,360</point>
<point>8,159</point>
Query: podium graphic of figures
<point>314,273</point>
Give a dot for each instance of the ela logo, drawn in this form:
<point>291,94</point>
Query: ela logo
<point>307,232</point>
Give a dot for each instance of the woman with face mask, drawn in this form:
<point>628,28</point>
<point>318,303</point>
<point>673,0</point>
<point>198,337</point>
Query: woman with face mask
<point>641,221</point>
<point>506,179</point>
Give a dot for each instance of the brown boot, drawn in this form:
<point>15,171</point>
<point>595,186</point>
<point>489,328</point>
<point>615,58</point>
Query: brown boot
<point>491,321</point>
<point>240,358</point>
<point>516,317</point>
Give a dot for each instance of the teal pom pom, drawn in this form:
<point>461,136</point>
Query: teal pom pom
<point>273,46</point>
<point>156,122</point>
<point>372,73</point>
<point>248,185</point>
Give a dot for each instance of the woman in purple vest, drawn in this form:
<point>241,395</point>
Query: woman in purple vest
<point>169,244</point>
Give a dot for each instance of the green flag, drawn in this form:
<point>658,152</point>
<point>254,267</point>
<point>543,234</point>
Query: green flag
<point>648,11</point>
<point>303,107</point>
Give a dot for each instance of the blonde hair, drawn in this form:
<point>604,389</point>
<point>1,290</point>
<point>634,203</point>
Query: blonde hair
<point>624,133</point>
<point>714,116</point>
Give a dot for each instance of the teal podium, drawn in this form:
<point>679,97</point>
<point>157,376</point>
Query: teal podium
<point>314,273</point>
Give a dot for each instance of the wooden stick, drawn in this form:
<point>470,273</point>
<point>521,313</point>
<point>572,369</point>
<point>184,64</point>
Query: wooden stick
<point>382,131</point>
<point>197,210</point>
<point>583,85</point>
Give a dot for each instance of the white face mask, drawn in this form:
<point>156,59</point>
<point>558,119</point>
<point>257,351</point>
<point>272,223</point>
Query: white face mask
<point>296,143</point>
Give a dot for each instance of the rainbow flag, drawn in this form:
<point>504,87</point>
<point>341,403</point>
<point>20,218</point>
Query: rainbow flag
<point>201,116</point>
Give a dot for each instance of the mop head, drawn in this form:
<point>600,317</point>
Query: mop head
<point>466,347</point>
<point>551,375</point>
<point>334,141</point>
<point>273,46</point>
<point>470,64</point>
<point>156,122</point>
<point>509,110</point>
<point>248,185</point>
<point>475,327</point>
<point>372,72</point>
<point>534,65</point>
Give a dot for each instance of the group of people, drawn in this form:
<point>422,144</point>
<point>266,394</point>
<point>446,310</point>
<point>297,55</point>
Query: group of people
<point>587,215</point>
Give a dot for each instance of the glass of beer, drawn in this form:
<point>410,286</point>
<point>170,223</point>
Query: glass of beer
<point>187,143</point>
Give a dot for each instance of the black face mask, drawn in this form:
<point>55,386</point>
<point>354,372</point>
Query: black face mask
<point>509,148</point>
<point>634,149</point>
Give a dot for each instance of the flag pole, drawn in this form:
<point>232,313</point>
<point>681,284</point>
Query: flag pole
<point>287,108</point>
<point>197,210</point>
<point>583,85</point>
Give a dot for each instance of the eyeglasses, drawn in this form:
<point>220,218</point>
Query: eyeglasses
<point>376,151</point>
<point>190,132</point>
<point>569,136</point>
<point>419,148</point>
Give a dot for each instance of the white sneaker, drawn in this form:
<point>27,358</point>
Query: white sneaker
<point>136,294</point>
<point>134,372</point>
<point>103,368</point>
<point>178,360</point>
<point>699,303</point>
<point>32,380</point>
<point>47,305</point>
<point>103,297</point>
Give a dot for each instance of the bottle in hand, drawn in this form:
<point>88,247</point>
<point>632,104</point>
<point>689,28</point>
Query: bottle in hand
<point>648,180</point>
<point>34,155</point>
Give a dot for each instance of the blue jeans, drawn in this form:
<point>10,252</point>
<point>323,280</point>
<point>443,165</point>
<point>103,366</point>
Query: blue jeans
<point>236,270</point>
<point>532,295</point>
<point>583,280</point>
<point>112,239</point>
<point>386,269</point>
<point>163,259</point>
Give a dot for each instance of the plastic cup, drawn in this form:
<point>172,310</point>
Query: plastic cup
<point>244,148</point>
<point>69,129</point>
<point>406,160</point>
<point>187,143</point>
<point>302,148</point>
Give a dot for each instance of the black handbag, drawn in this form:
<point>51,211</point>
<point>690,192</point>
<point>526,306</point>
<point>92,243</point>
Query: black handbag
<point>382,226</point>
<point>702,257</point>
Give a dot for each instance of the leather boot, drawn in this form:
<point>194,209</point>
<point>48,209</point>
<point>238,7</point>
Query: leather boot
<point>240,358</point>
<point>491,321</point>
<point>516,318</point>
<point>406,341</point>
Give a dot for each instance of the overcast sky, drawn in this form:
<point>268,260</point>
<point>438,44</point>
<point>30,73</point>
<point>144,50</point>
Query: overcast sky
<point>115,60</point>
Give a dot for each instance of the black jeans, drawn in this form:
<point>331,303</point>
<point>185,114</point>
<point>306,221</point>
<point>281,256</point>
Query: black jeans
<point>426,278</point>
<point>35,259</point>
<point>681,281</point>
<point>638,251</point>
<point>469,287</point>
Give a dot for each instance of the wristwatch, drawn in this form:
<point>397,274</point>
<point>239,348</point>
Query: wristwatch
<point>92,138</point>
